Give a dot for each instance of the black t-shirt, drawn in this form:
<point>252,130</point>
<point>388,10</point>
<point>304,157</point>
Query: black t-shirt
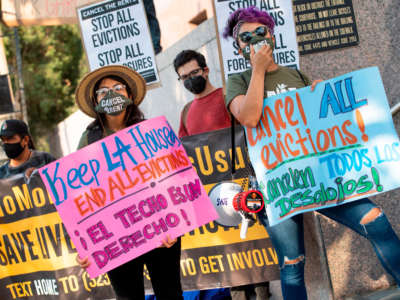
<point>37,160</point>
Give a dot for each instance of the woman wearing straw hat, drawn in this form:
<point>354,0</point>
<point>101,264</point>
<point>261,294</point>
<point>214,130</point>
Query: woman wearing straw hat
<point>111,95</point>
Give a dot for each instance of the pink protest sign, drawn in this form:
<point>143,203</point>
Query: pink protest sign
<point>121,196</point>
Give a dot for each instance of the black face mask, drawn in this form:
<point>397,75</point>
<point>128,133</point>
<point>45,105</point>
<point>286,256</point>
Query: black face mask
<point>196,84</point>
<point>13,150</point>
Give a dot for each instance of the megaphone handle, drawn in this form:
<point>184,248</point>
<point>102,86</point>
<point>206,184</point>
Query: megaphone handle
<point>244,227</point>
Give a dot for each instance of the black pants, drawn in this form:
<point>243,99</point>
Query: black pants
<point>164,269</point>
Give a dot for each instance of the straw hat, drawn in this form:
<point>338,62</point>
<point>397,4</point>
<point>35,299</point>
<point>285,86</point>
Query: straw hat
<point>84,91</point>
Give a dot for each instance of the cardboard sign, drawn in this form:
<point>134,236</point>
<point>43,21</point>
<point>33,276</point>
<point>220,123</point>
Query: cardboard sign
<point>319,149</point>
<point>116,33</point>
<point>285,52</point>
<point>121,196</point>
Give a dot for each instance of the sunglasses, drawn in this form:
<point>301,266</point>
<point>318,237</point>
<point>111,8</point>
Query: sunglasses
<point>246,36</point>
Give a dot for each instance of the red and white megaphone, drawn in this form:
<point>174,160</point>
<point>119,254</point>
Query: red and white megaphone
<point>234,206</point>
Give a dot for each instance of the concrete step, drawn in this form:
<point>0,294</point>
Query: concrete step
<point>392,293</point>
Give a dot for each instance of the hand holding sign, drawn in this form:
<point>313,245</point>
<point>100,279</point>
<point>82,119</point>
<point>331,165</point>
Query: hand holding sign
<point>83,262</point>
<point>168,242</point>
<point>326,148</point>
<point>131,192</point>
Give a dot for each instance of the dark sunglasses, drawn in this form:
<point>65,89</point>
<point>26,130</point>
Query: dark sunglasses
<point>246,36</point>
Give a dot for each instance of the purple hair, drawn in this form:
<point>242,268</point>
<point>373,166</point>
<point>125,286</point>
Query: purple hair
<point>248,15</point>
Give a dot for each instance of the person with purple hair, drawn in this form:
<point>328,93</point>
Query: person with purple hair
<point>253,31</point>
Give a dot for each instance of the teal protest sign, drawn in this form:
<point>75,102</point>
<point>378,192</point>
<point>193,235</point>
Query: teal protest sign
<point>314,150</point>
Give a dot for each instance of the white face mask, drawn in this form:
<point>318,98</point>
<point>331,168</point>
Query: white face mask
<point>257,43</point>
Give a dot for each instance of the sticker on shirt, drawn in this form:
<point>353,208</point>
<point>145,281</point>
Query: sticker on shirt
<point>280,88</point>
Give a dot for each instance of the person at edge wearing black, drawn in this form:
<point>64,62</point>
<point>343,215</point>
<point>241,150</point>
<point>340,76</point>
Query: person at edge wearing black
<point>94,96</point>
<point>207,112</point>
<point>18,146</point>
<point>253,30</point>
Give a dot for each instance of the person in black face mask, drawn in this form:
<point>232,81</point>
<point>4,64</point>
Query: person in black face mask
<point>111,95</point>
<point>207,111</point>
<point>18,147</point>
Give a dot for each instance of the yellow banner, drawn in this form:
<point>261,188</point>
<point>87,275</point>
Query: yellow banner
<point>35,244</point>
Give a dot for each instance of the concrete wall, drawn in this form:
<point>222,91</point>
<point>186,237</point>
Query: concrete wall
<point>353,266</point>
<point>64,140</point>
<point>174,26</point>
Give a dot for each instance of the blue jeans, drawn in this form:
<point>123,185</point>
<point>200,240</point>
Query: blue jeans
<point>288,240</point>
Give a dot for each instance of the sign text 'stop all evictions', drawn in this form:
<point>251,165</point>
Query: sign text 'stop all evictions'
<point>116,33</point>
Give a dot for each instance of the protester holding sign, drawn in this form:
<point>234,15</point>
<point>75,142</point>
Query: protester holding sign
<point>253,30</point>
<point>111,95</point>
<point>19,148</point>
<point>207,111</point>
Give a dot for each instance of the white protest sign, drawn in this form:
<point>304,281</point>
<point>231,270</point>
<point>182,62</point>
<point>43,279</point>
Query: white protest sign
<point>285,53</point>
<point>116,33</point>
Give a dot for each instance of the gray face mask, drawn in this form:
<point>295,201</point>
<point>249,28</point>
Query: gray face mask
<point>113,103</point>
<point>257,42</point>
